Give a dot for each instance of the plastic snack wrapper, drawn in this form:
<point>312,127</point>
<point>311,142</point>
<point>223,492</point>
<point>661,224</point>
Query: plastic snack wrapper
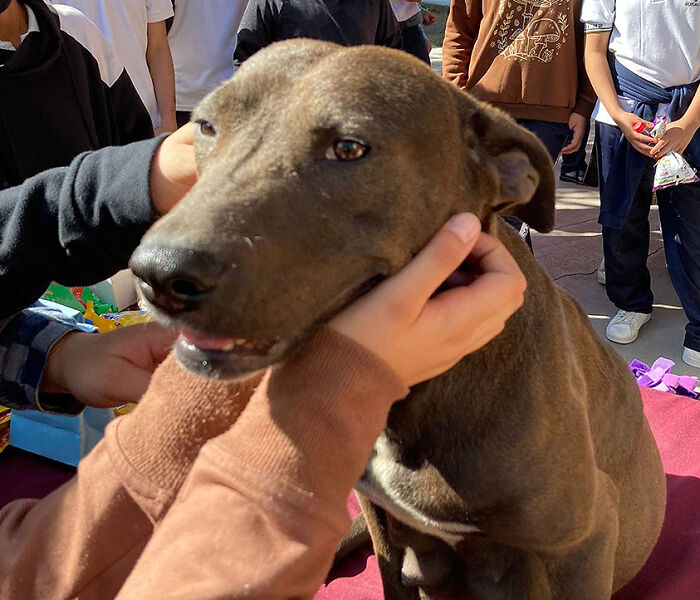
<point>671,168</point>
<point>111,321</point>
<point>5,416</point>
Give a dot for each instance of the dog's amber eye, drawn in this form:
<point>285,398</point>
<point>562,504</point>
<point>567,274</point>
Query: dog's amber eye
<point>206,128</point>
<point>346,150</point>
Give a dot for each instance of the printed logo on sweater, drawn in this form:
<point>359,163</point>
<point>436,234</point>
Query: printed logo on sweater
<point>531,29</point>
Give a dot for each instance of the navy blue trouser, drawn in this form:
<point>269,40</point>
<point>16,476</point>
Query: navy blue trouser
<point>414,42</point>
<point>628,283</point>
<point>553,135</point>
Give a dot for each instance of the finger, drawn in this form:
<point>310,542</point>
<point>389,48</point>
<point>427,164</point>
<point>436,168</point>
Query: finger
<point>490,255</point>
<point>133,383</point>
<point>144,344</point>
<point>185,134</point>
<point>658,147</point>
<point>419,279</point>
<point>571,147</point>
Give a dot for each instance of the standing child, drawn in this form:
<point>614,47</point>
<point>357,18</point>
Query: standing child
<point>643,60</point>
<point>136,29</point>
<point>410,17</point>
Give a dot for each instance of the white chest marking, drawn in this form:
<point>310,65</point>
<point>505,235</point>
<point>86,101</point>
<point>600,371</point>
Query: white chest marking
<point>382,483</point>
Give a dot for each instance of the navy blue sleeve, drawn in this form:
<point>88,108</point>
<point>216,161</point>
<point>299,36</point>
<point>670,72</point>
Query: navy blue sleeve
<point>76,225</point>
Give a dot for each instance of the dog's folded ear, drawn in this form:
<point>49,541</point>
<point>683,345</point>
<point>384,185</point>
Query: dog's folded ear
<point>516,158</point>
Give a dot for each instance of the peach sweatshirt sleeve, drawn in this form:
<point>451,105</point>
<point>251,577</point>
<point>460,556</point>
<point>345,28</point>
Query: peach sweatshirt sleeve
<point>260,513</point>
<point>264,506</point>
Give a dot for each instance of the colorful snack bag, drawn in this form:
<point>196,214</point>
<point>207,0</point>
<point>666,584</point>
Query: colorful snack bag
<point>671,168</point>
<point>5,415</point>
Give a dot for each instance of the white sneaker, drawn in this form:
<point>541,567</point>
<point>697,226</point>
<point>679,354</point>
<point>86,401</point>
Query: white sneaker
<point>691,357</point>
<point>625,325</point>
<point>600,275</point>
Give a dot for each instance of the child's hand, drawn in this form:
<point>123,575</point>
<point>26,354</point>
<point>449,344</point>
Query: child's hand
<point>640,142</point>
<point>420,335</point>
<point>173,171</point>
<point>429,18</point>
<point>677,137</point>
<point>106,369</point>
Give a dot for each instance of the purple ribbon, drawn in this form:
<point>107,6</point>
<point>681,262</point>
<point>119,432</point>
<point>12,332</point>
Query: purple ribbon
<point>659,377</point>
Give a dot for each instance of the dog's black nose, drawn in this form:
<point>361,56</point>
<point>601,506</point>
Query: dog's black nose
<point>174,279</point>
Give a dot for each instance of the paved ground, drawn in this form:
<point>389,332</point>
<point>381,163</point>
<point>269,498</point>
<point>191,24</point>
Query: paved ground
<point>571,255</point>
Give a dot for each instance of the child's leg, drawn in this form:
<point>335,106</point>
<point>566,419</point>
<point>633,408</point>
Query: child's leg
<point>628,282</point>
<point>680,224</point>
<point>414,43</point>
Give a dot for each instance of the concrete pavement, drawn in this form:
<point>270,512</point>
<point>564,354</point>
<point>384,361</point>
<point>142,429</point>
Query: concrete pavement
<point>571,254</point>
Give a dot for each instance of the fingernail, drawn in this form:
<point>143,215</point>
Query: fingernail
<point>465,226</point>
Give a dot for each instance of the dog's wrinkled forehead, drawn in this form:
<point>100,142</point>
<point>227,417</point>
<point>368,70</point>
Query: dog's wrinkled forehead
<point>315,85</point>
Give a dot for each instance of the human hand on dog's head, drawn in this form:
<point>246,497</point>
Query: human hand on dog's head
<point>420,335</point>
<point>173,171</point>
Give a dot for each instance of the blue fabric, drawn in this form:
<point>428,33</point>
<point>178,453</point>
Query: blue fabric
<point>553,135</point>
<point>622,168</point>
<point>25,343</point>
<point>415,42</point>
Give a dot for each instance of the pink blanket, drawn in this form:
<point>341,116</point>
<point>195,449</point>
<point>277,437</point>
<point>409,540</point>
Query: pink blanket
<point>672,571</point>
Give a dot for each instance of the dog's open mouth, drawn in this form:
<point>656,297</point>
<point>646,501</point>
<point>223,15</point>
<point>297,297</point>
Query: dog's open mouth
<point>225,357</point>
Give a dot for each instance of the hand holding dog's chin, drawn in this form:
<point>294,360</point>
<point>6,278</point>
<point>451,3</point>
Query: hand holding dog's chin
<point>84,364</point>
<point>420,335</point>
<point>173,171</point>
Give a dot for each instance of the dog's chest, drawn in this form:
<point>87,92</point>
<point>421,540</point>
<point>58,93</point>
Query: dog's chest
<point>403,493</point>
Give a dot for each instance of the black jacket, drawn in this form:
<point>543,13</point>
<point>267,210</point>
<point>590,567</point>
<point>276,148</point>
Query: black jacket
<point>345,22</point>
<point>61,93</point>
<point>76,225</point>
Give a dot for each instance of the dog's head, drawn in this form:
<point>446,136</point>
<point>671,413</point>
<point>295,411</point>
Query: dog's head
<point>322,170</point>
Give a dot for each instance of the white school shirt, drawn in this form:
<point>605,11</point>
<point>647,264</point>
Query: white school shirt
<point>659,40</point>
<point>202,40</point>
<point>124,24</point>
<point>403,9</point>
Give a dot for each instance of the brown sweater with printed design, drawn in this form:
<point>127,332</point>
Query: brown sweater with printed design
<point>523,56</point>
<point>254,512</point>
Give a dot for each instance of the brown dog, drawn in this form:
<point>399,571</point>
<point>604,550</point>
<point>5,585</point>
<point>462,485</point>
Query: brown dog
<point>528,470</point>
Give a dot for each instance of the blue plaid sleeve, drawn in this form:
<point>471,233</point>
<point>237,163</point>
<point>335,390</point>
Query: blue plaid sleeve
<point>25,343</point>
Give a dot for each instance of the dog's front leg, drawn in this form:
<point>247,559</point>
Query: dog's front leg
<point>389,556</point>
<point>586,571</point>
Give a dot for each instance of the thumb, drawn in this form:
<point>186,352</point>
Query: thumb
<point>437,260</point>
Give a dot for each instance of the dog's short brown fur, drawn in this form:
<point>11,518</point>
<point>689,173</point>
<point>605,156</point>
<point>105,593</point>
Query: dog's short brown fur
<point>528,470</point>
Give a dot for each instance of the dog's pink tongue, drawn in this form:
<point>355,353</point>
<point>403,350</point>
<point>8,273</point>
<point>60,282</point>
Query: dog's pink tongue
<point>206,342</point>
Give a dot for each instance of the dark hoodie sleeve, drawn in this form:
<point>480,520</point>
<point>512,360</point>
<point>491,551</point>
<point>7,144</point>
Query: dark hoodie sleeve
<point>256,29</point>
<point>76,225</point>
<point>388,30</point>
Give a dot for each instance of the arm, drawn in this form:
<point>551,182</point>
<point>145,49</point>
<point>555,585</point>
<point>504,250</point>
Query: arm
<point>84,538</point>
<point>461,31</point>
<point>160,65</point>
<point>596,58</point>
<point>26,342</point>
<point>585,99</point>
<point>388,30</point>
<point>273,487</point>
<point>679,133</point>
<point>256,29</point>
<point>76,225</point>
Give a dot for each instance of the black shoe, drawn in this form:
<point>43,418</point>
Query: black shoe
<point>576,176</point>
